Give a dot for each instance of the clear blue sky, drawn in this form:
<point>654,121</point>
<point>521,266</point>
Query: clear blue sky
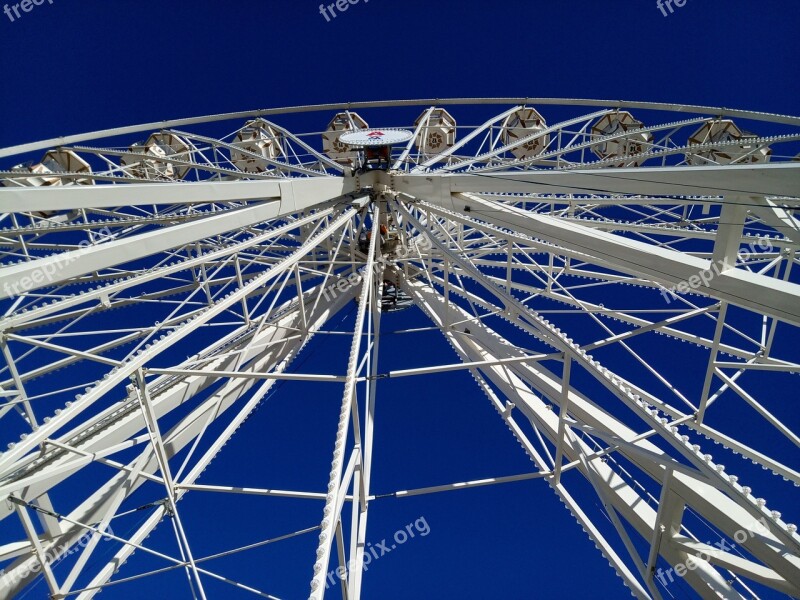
<point>71,66</point>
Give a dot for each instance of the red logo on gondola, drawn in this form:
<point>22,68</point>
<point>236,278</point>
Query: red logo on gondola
<point>375,134</point>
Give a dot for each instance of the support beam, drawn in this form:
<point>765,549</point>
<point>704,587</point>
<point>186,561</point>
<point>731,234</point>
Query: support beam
<point>779,179</point>
<point>761,293</point>
<point>54,269</point>
<point>777,549</point>
<point>34,439</point>
<point>336,485</point>
<point>275,358</point>
<point>289,193</point>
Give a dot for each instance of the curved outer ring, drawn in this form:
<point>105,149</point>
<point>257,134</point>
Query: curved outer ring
<point>104,133</point>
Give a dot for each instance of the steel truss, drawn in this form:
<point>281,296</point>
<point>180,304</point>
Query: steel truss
<point>533,267</point>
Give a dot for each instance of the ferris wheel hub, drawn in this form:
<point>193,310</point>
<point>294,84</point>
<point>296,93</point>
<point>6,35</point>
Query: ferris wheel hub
<point>370,138</point>
<point>373,147</point>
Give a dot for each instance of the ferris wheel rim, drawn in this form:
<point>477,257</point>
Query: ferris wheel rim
<point>171,123</point>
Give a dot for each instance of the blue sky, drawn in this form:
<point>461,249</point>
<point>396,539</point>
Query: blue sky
<point>80,66</point>
<point>70,67</point>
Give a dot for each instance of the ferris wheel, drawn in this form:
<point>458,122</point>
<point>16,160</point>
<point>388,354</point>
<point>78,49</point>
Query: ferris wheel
<point>619,278</point>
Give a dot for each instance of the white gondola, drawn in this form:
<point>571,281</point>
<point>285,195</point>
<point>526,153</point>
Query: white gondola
<point>438,132</point>
<point>606,130</point>
<point>156,164</point>
<point>724,132</point>
<point>524,123</point>
<point>333,146</point>
<point>257,137</point>
<point>46,171</point>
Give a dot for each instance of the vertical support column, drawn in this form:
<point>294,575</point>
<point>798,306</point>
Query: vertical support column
<point>361,507</point>
<point>336,489</point>
<point>12,367</point>
<point>712,359</point>
<point>729,234</point>
<point>161,457</point>
<point>299,285</point>
<point>562,416</point>
<point>41,555</point>
<point>509,262</point>
<point>240,281</point>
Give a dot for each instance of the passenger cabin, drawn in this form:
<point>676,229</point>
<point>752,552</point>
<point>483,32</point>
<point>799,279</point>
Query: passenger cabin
<point>259,138</point>
<point>156,152</point>
<point>437,134</point>
<point>45,172</point>
<point>725,143</point>
<point>525,123</point>
<point>337,150</point>
<point>613,141</point>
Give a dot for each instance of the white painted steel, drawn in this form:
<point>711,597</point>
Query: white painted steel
<point>537,247</point>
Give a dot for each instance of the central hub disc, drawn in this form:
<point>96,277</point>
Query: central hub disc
<point>367,138</point>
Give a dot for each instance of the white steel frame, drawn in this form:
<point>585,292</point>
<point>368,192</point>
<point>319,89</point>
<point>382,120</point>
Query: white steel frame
<point>255,255</point>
